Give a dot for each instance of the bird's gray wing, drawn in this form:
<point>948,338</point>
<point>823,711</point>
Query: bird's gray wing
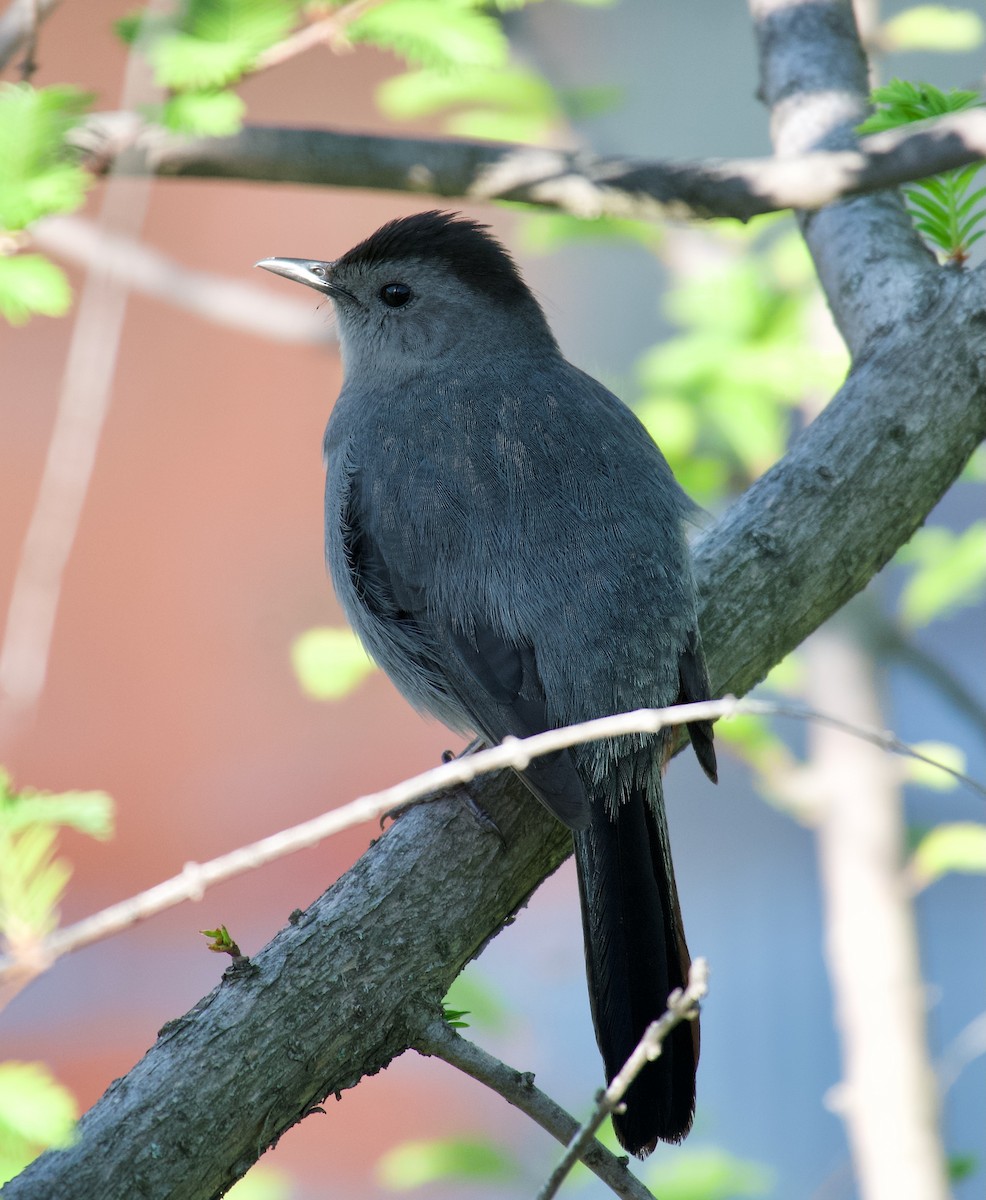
<point>492,680</point>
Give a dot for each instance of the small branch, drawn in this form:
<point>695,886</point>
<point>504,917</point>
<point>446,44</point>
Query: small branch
<point>440,1040</point>
<point>19,25</point>
<point>682,1006</point>
<point>196,878</point>
<point>135,265</point>
<point>29,63</point>
<point>324,32</point>
<point>568,180</point>
<point>83,404</point>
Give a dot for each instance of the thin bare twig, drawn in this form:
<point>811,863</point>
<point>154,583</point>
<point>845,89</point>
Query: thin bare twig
<point>83,403</point>
<point>683,1005</point>
<point>135,265</point>
<point>29,63</point>
<point>327,31</point>
<point>196,878</point>
<point>19,25</point>
<point>439,1040</point>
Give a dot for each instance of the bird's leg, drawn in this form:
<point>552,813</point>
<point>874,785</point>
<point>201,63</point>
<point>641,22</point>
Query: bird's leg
<point>465,792</point>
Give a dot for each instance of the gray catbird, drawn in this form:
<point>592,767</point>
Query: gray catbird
<point>507,541</point>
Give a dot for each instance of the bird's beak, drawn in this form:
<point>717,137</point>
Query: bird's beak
<point>313,274</point>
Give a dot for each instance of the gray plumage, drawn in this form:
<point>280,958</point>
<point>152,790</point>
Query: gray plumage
<point>506,539</point>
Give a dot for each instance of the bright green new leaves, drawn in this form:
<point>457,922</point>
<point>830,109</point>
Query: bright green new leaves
<point>718,396</point>
<point>501,103</point>
<point>463,56</point>
<point>929,774</point>
<point>949,572</point>
<point>32,879</point>
<point>37,174</point>
<point>472,994</point>
<point>262,1183</point>
<point>209,43</point>
<point>38,177</point>
<point>434,33</point>
<point>417,1164</point>
<point>932,27</point>
<point>196,54</point>
<point>329,663</point>
<point>36,1113</point>
<point>207,114</point>
<point>31,284</point>
<point>959,846</point>
<point>945,208</point>
<point>707,1174</point>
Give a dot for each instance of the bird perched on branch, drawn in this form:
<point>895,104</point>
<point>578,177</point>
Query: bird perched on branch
<point>507,541</point>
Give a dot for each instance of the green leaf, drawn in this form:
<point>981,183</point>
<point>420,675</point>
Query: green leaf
<point>32,879</point>
<point>671,421</point>
<point>434,33</point>
<point>473,992</point>
<point>420,93</point>
<point>949,572</point>
<point>927,774</point>
<point>707,1174</point>
<point>214,42</point>
<point>417,1164</point>
<point>900,103</point>
<point>38,174</point>
<point>262,1183</point>
<point>753,738</point>
<point>928,204</point>
<point>36,1113</point>
<point>932,27</point>
<point>494,126</point>
<point>960,847</point>
<point>329,663</point>
<point>32,285</point>
<point>962,1166</point>
<point>204,114</point>
<point>941,200</point>
<point>970,200</point>
<point>90,813</point>
<point>31,883</point>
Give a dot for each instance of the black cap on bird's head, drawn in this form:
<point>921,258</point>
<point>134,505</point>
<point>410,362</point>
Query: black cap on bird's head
<point>464,247</point>
<point>425,286</point>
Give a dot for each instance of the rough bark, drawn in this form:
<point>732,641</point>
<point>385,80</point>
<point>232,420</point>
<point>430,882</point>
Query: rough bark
<point>570,180</point>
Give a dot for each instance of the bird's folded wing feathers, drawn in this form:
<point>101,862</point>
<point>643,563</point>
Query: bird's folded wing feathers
<point>489,676</point>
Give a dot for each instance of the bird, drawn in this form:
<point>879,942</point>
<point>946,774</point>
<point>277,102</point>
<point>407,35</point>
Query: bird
<point>508,542</point>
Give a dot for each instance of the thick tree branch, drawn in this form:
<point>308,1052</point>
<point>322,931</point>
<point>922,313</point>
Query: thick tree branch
<point>813,77</point>
<point>570,180</point>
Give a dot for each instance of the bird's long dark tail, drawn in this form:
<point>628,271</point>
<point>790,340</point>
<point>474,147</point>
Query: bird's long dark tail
<point>635,956</point>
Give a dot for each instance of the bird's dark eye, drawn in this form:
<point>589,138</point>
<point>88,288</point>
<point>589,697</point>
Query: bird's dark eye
<point>395,294</point>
